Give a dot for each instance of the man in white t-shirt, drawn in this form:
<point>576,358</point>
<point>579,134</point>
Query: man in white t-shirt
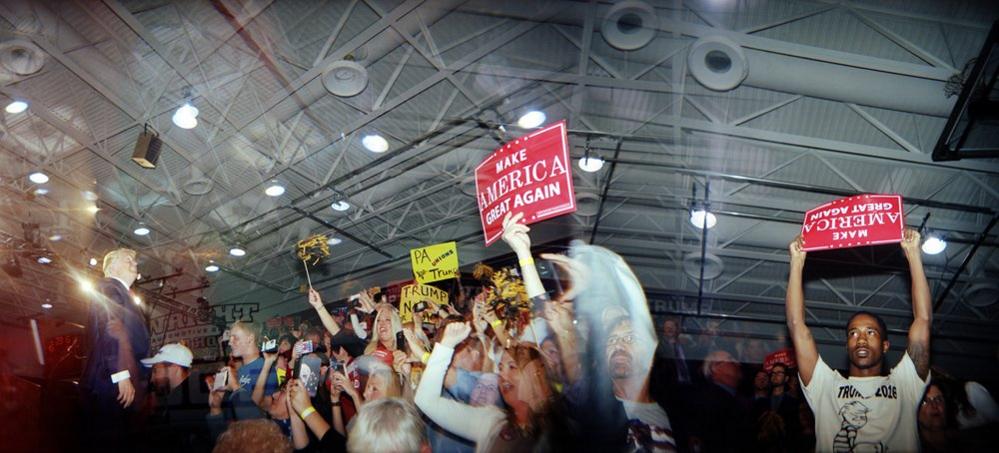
<point>629,362</point>
<point>867,411</point>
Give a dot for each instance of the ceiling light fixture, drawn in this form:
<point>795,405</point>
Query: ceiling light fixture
<point>274,189</point>
<point>186,116</point>
<point>700,217</point>
<point>591,164</point>
<point>44,260</point>
<point>141,230</point>
<point>137,300</point>
<point>41,191</point>
<point>38,177</point>
<point>934,245</point>
<point>55,237</point>
<point>375,143</point>
<point>93,261</point>
<point>340,206</point>
<point>93,209</point>
<point>89,196</point>
<point>333,241</point>
<point>212,267</point>
<point>532,119</point>
<point>87,286</point>
<point>46,306</point>
<point>16,107</point>
<point>237,251</point>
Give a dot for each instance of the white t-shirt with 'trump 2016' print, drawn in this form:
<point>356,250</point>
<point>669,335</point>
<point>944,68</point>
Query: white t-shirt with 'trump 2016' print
<point>866,414</point>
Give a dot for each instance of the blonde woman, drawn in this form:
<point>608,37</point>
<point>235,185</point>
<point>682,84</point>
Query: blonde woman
<point>383,344</point>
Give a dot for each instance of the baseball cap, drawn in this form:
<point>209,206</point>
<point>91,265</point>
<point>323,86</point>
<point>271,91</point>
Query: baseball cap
<point>175,353</point>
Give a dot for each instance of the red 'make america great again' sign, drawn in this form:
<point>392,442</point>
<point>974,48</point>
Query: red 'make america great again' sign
<point>531,174</point>
<point>853,222</point>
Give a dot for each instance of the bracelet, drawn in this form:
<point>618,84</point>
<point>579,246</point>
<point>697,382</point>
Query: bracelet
<point>120,376</point>
<point>425,358</point>
<point>336,404</point>
<point>311,410</point>
<point>529,261</point>
<point>496,323</point>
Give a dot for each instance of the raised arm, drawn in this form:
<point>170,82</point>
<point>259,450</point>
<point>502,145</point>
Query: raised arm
<point>258,397</point>
<point>515,235</point>
<point>922,306</point>
<point>806,354</point>
<point>328,322</point>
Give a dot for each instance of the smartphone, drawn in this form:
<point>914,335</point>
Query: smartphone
<point>419,307</point>
<point>400,341</point>
<point>305,347</point>
<point>550,279</point>
<point>269,346</point>
<point>221,379</point>
<point>309,373</point>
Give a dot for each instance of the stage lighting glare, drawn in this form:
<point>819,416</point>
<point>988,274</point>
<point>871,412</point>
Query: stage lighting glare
<point>93,209</point>
<point>699,217</point>
<point>87,286</point>
<point>16,107</point>
<point>237,251</point>
<point>531,120</point>
<point>375,143</point>
<point>38,177</point>
<point>274,189</point>
<point>186,117</point>
<point>934,245</point>
<point>590,164</point>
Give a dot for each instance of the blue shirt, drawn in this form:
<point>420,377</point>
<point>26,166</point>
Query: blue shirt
<point>242,401</point>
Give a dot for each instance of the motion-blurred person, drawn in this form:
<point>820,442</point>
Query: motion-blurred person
<point>672,353</point>
<point>721,416</point>
<point>176,418</point>
<point>253,436</point>
<point>867,410</point>
<point>113,384</point>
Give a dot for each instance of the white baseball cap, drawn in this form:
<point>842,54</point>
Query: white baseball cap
<point>175,353</point>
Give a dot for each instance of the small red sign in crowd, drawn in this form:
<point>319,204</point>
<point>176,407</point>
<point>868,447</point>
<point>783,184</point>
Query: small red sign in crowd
<point>531,174</point>
<point>853,222</point>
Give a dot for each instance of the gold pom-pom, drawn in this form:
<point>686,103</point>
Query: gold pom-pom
<point>313,248</point>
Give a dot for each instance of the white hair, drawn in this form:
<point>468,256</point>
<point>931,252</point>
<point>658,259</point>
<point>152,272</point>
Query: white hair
<point>713,358</point>
<point>387,425</point>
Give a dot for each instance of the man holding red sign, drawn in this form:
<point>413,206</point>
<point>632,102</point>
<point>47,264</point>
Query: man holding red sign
<point>867,410</point>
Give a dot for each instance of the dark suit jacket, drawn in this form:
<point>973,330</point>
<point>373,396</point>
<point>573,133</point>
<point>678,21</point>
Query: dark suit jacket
<point>112,299</point>
<point>720,420</point>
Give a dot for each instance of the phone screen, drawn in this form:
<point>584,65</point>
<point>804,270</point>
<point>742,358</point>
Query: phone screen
<point>309,373</point>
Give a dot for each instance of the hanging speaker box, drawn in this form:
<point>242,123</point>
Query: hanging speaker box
<point>147,150</point>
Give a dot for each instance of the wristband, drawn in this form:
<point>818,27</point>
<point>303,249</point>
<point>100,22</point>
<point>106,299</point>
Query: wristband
<point>529,261</point>
<point>336,404</point>
<point>120,376</point>
<point>496,323</point>
<point>311,410</point>
<point>425,358</point>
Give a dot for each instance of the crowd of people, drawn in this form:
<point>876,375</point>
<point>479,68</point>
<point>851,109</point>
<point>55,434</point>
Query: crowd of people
<point>522,367</point>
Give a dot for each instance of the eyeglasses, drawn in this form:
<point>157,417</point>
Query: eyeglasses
<point>936,400</point>
<point>623,339</point>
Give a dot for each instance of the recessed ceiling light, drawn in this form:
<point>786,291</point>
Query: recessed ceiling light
<point>340,205</point>
<point>934,245</point>
<point>55,237</point>
<point>41,191</point>
<point>44,260</point>
<point>375,143</point>
<point>274,189</point>
<point>212,268</point>
<point>237,251</point>
<point>93,261</point>
<point>186,116</point>
<point>699,217</point>
<point>590,164</point>
<point>333,241</point>
<point>141,230</point>
<point>531,120</point>
<point>46,306</point>
<point>38,177</point>
<point>16,107</point>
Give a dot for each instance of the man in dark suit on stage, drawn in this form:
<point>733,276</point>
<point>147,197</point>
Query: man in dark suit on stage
<point>113,384</point>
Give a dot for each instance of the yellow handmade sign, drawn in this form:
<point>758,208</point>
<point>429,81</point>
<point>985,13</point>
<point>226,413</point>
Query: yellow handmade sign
<point>416,293</point>
<point>435,262</point>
